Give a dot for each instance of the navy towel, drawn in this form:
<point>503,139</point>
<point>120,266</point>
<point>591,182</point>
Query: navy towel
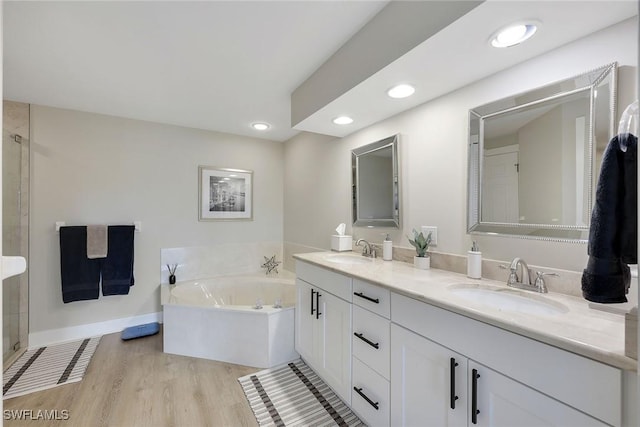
<point>80,275</point>
<point>117,267</point>
<point>613,233</point>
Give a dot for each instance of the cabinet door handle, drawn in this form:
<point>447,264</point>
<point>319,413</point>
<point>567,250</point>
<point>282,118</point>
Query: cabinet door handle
<point>365,397</point>
<point>474,396</point>
<point>312,292</point>
<point>361,295</point>
<point>318,305</point>
<point>452,387</point>
<point>371,343</point>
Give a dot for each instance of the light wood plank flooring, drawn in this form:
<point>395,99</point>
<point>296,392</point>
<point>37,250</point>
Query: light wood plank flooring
<point>133,383</point>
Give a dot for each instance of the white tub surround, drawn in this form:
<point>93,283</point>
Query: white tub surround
<point>200,262</point>
<point>215,319</point>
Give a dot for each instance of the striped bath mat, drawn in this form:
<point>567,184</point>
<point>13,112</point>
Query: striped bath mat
<point>47,367</point>
<point>293,395</point>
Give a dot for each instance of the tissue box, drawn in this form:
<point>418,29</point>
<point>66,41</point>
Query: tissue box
<point>341,243</point>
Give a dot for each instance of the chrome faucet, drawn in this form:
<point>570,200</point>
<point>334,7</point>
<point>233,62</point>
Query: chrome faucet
<point>367,249</point>
<point>513,273</point>
<point>525,283</point>
<point>539,283</point>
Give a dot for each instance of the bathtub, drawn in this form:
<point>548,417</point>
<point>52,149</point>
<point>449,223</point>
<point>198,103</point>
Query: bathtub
<point>246,320</point>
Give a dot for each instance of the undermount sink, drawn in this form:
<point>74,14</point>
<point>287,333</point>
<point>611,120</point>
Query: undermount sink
<point>509,300</point>
<point>349,259</point>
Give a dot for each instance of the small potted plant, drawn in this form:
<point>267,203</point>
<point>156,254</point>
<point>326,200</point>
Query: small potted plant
<point>421,243</point>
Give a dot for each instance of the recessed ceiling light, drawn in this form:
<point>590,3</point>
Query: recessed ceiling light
<point>513,34</point>
<point>401,91</point>
<point>343,120</point>
<point>260,126</point>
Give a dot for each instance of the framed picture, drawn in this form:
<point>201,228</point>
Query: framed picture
<point>225,194</point>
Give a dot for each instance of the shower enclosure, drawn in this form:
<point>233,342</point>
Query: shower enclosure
<point>15,226</point>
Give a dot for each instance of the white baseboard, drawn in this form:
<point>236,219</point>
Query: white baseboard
<point>56,336</point>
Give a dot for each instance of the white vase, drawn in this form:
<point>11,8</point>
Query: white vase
<point>423,263</point>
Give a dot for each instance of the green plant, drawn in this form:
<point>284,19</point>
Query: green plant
<point>420,242</point>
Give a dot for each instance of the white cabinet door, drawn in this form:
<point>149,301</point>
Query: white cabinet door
<point>335,343</point>
<point>499,401</point>
<point>425,382</point>
<point>307,339</point>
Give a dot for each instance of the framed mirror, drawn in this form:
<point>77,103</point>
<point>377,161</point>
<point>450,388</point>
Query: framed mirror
<point>375,184</point>
<point>534,158</point>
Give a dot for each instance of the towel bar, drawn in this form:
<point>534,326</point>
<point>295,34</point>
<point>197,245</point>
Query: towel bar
<point>137,224</point>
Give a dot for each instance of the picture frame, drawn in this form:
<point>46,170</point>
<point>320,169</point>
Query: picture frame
<point>225,194</point>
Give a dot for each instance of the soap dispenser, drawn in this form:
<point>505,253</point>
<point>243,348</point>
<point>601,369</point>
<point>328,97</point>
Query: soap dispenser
<point>387,249</point>
<point>474,262</point>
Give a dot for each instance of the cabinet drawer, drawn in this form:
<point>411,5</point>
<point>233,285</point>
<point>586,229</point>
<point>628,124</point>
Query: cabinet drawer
<point>372,297</point>
<point>371,344</point>
<point>335,283</point>
<point>370,395</point>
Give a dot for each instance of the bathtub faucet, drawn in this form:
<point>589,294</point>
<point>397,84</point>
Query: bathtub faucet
<point>270,264</point>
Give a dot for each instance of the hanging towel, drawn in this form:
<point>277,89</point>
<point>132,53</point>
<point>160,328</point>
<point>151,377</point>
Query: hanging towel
<point>80,275</point>
<point>613,233</point>
<point>97,241</point>
<point>117,267</point>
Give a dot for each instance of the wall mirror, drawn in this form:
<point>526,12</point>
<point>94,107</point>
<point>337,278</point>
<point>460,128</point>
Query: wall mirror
<point>375,184</point>
<point>534,158</point>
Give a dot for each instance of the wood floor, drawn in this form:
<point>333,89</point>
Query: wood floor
<point>133,383</point>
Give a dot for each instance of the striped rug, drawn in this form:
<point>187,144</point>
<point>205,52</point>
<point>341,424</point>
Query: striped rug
<point>293,395</point>
<point>48,367</point>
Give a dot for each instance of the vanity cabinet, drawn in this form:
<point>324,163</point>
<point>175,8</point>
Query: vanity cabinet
<point>499,378</point>
<point>399,361</point>
<point>427,388</point>
<point>323,325</point>
<point>307,335</point>
<point>433,385</point>
<point>499,401</point>
<point>370,396</point>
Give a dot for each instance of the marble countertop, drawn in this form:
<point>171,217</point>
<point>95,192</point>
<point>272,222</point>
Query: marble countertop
<point>582,330</point>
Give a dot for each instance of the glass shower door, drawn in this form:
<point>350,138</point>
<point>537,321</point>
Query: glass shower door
<point>15,221</point>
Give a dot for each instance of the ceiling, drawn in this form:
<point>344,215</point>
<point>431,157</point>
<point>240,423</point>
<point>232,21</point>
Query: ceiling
<point>224,65</point>
<point>461,54</point>
<point>217,65</point>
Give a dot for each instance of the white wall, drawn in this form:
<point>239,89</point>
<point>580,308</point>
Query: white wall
<point>89,168</point>
<point>433,154</point>
<point>317,188</point>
